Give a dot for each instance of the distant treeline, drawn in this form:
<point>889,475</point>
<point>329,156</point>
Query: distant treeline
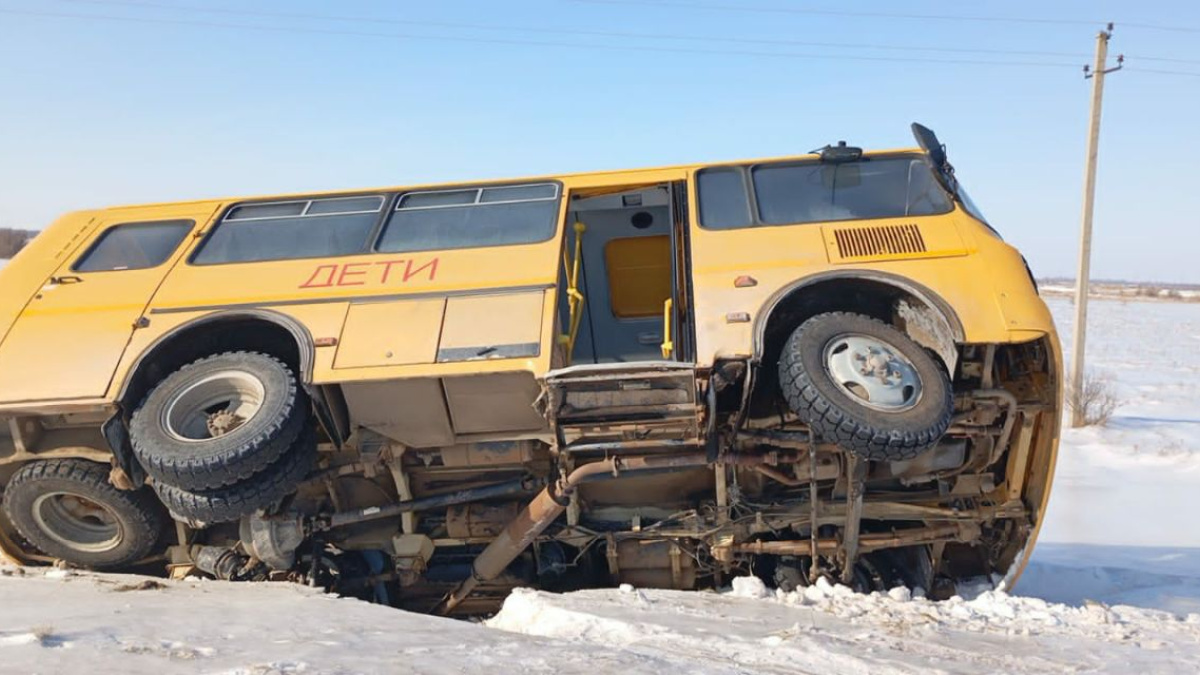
<point>1119,283</point>
<point>12,241</point>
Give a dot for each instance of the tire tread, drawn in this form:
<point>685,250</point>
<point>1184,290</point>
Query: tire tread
<point>829,422</point>
<point>139,506</point>
<point>226,469</point>
<point>242,499</point>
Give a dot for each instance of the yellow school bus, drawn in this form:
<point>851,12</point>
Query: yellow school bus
<point>823,365</point>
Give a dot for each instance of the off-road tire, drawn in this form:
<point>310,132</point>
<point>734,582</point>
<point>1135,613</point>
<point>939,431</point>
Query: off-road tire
<point>263,490</point>
<point>139,517</point>
<point>838,417</point>
<point>236,456</point>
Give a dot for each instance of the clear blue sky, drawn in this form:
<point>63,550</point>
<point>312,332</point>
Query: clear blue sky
<point>97,112</point>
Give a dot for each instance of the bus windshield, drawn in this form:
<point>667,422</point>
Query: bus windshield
<point>812,192</point>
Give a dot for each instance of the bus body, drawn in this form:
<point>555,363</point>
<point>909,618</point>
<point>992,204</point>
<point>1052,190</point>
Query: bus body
<point>821,365</point>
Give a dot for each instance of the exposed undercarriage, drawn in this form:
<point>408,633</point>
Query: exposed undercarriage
<point>661,477</point>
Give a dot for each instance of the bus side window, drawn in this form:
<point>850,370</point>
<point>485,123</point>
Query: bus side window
<point>134,246</point>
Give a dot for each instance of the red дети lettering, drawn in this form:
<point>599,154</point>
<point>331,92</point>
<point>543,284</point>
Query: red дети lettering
<point>359,273</point>
<point>311,283</point>
<point>409,272</point>
<point>353,270</point>
<point>387,268</point>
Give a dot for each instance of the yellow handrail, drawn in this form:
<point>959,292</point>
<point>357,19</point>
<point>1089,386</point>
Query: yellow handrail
<point>668,346</point>
<point>575,298</point>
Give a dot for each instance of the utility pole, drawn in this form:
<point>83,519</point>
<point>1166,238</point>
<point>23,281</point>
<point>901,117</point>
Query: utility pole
<point>1082,281</point>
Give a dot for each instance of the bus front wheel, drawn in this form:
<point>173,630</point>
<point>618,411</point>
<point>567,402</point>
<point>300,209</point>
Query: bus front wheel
<point>865,386</point>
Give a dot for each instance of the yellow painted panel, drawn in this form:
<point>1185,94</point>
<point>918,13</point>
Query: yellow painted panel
<point>639,275</point>
<point>69,339</point>
<point>898,239</point>
<point>390,334</point>
<point>492,320</point>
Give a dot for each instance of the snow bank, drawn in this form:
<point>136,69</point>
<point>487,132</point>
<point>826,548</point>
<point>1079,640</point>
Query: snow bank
<point>71,622</point>
<point>830,629</point>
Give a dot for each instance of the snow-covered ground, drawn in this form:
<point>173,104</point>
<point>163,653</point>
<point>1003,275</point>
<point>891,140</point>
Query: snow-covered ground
<point>1121,522</point>
<point>62,622</point>
<point>1120,546</point>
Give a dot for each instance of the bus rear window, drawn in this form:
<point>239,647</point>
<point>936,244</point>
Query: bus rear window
<point>290,230</point>
<point>470,218</point>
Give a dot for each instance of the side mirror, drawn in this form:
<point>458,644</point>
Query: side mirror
<point>930,144</point>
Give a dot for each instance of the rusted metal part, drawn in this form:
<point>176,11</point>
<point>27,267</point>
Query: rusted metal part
<point>835,514</point>
<point>814,511</point>
<point>791,440</point>
<point>721,480</point>
<point>856,469</point>
<point>403,483</point>
<point>471,521</point>
<point>964,532</point>
<point>426,503</point>
<point>781,477</point>
<point>828,468</point>
<point>223,422</point>
<point>352,469</point>
<point>663,445</point>
<point>1018,462</point>
<point>1009,419</point>
<point>549,504</point>
<point>989,365</point>
<point>476,455</point>
<point>651,564</point>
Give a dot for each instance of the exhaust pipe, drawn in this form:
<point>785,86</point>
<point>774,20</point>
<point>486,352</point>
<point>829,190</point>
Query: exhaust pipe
<point>550,503</point>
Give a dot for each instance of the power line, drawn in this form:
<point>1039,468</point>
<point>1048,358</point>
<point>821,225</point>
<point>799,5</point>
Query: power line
<point>1154,26</point>
<point>548,43</point>
<point>597,33</point>
<point>573,31</point>
<point>1162,72</point>
<point>535,43</point>
<point>893,15</point>
<point>1162,59</point>
<point>839,12</point>
<point>883,15</point>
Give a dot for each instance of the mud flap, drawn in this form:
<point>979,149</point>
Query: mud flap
<point>116,433</point>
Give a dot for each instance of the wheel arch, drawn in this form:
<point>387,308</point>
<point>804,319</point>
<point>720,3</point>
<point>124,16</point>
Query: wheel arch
<point>925,316</point>
<point>262,330</point>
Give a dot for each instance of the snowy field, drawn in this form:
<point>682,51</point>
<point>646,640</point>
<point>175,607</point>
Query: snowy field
<point>1114,586</point>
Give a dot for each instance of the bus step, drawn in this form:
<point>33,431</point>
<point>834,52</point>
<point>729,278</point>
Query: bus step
<point>624,403</point>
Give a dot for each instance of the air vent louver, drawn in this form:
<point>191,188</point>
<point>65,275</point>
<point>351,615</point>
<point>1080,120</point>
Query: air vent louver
<point>883,240</point>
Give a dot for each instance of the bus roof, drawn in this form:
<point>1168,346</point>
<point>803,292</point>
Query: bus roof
<point>571,180</point>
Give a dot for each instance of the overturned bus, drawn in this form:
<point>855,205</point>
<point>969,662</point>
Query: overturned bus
<point>826,365</point>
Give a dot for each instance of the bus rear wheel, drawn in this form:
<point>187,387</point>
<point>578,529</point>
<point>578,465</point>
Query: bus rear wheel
<point>219,421</point>
<point>865,386</point>
<point>68,509</point>
<point>264,490</point>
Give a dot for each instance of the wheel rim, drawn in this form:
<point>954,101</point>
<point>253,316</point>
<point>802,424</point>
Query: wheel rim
<point>77,522</point>
<point>213,406</point>
<point>873,372</point>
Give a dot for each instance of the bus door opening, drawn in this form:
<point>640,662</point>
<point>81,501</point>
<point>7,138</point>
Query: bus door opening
<point>626,273</point>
